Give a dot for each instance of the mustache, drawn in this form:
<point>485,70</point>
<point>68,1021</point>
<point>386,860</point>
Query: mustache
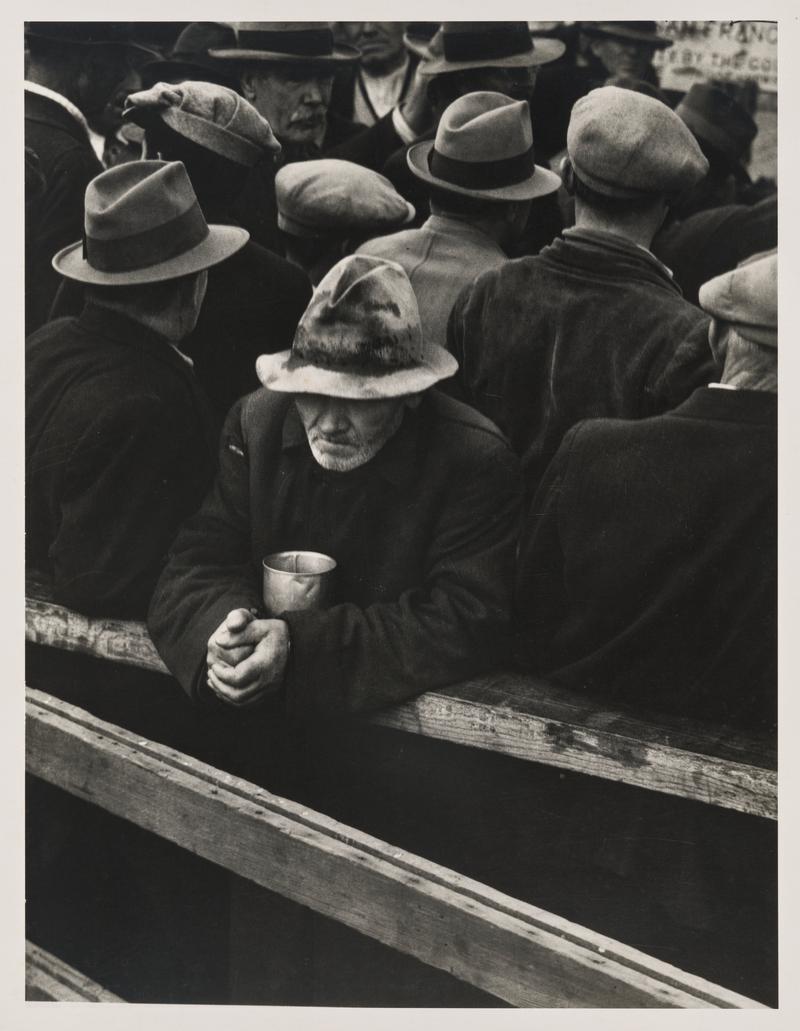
<point>351,439</point>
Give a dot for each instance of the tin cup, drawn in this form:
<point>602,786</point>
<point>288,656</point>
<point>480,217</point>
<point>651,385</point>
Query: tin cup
<point>297,580</point>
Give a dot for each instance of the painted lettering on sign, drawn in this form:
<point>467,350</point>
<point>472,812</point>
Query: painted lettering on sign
<point>704,50</point>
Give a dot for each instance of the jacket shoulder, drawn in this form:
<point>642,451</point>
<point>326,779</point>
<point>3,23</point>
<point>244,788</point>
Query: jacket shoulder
<point>463,421</point>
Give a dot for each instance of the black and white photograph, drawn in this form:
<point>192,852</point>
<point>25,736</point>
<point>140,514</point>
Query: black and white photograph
<point>401,505</point>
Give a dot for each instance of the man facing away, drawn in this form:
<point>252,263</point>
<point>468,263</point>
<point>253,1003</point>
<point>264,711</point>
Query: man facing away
<point>120,439</point>
<point>648,562</point>
<point>594,324</point>
<point>347,452</point>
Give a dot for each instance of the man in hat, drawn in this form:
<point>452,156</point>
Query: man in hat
<point>327,208</point>
<point>119,438</point>
<point>481,175</point>
<point>347,452</point>
<point>189,58</point>
<point>648,564</point>
<point>370,89</point>
<point>594,324</point>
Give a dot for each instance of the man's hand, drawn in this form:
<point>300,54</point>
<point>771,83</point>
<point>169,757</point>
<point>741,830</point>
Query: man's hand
<point>246,657</point>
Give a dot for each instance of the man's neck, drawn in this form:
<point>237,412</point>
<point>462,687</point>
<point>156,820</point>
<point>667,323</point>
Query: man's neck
<point>639,231</point>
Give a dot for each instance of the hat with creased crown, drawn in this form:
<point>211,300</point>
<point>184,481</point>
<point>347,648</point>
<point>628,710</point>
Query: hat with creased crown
<point>628,31</point>
<point>460,45</point>
<point>142,224</point>
<point>189,58</point>
<point>483,148</point>
<point>210,115</point>
<point>418,35</point>
<point>747,298</point>
<point>360,338</point>
<point>282,42</point>
<point>625,144</point>
<point>333,198</point>
<point>718,119</point>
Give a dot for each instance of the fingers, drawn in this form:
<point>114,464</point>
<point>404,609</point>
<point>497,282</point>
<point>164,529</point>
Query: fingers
<point>229,656</point>
<point>238,619</point>
<point>232,696</point>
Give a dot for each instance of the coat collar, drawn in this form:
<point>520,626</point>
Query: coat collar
<point>56,98</point>
<point>463,230</point>
<point>113,325</point>
<point>609,255</point>
<point>758,407</point>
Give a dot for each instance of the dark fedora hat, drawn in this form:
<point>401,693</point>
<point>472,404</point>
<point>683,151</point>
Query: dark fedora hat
<point>286,42</point>
<point>418,35</point>
<point>189,59</point>
<point>632,31</point>
<point>142,224</point>
<point>718,119</point>
<point>87,33</point>
<point>461,45</point>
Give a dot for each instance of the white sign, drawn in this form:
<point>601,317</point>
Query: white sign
<point>705,50</point>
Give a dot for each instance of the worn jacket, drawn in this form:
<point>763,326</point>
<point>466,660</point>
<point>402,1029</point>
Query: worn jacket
<point>441,257</point>
<point>593,326</point>
<point>423,534</point>
<point>120,447</point>
<point>648,563</point>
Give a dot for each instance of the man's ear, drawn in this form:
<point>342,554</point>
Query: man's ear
<point>567,173</point>
<point>718,340</point>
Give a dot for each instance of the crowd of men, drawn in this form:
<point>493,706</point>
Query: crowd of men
<point>482,314</point>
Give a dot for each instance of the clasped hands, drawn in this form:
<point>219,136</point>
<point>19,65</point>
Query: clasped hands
<point>247,657</point>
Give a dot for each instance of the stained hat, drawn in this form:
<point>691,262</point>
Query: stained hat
<point>717,118</point>
<point>215,117</point>
<point>142,224</point>
<point>634,31</point>
<point>282,42</point>
<point>483,148</point>
<point>625,144</point>
<point>487,44</point>
<point>329,197</point>
<point>189,58</point>
<point>360,337</point>
<point>747,298</point>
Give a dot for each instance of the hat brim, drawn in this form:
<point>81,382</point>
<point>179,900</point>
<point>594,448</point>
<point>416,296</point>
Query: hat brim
<point>342,54</point>
<point>544,51</point>
<point>287,374</point>
<point>540,184</point>
<point>294,227</point>
<point>221,243</point>
<point>417,45</point>
<point>659,42</point>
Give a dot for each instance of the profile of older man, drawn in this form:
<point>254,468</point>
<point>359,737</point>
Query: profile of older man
<point>347,452</point>
<point>120,439</point>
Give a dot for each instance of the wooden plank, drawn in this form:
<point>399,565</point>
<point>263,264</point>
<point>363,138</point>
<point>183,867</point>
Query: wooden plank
<point>49,979</point>
<point>515,715</point>
<point>508,948</point>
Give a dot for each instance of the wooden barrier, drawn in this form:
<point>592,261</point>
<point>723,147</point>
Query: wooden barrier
<point>49,979</point>
<point>511,949</point>
<point>515,715</point>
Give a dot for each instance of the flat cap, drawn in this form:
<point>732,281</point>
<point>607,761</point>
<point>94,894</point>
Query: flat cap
<point>747,297</point>
<point>330,197</point>
<point>626,144</point>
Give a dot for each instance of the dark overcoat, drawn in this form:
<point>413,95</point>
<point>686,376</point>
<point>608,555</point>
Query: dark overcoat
<point>68,165</point>
<point>648,563</point>
<point>593,326</point>
<point>424,536</point>
<point>120,447</point>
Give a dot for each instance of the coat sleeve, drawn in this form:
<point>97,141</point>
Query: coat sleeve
<point>687,366</point>
<point>452,626</point>
<point>209,571</point>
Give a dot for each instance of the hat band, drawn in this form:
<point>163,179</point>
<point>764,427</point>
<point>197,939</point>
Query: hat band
<point>482,175</point>
<point>364,358</point>
<point>730,148</point>
<point>300,42</point>
<point>151,246</point>
<point>485,45</point>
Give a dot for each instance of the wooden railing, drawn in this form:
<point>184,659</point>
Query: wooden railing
<point>517,716</point>
<point>49,979</point>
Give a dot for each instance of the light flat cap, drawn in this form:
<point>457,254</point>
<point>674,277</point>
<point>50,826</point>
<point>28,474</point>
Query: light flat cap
<point>747,297</point>
<point>626,144</point>
<point>330,197</point>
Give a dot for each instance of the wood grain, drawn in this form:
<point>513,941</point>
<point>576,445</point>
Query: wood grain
<point>518,716</point>
<point>49,979</point>
<point>515,951</point>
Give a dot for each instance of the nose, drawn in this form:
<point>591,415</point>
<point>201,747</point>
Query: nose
<point>312,94</point>
<point>332,420</point>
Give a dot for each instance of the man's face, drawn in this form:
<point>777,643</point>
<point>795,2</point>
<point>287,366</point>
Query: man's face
<point>624,56</point>
<point>380,42</point>
<point>293,98</point>
<point>344,434</point>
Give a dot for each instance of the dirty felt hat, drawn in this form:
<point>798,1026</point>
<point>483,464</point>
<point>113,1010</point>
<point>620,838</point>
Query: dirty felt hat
<point>360,338</point>
<point>281,42</point>
<point>625,144</point>
<point>461,45</point>
<point>483,148</point>
<point>630,31</point>
<point>718,119</point>
<point>142,224</point>
<point>189,58</point>
<point>212,116</point>
<point>329,197</point>
<point>747,298</point>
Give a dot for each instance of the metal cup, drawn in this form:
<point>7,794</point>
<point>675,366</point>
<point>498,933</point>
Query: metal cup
<point>297,580</point>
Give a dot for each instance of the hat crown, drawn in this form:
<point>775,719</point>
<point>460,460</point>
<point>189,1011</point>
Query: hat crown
<point>715,115</point>
<point>201,36</point>
<point>747,297</point>
<point>475,40</point>
<point>296,38</point>
<point>484,125</point>
<point>363,318</point>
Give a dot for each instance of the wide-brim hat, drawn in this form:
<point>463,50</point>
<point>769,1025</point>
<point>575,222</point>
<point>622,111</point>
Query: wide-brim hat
<point>636,31</point>
<point>360,338</point>
<point>462,45</point>
<point>304,42</point>
<point>188,60</point>
<point>483,148</point>
<point>143,224</point>
<point>418,36</point>
<point>718,119</point>
<point>90,34</point>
